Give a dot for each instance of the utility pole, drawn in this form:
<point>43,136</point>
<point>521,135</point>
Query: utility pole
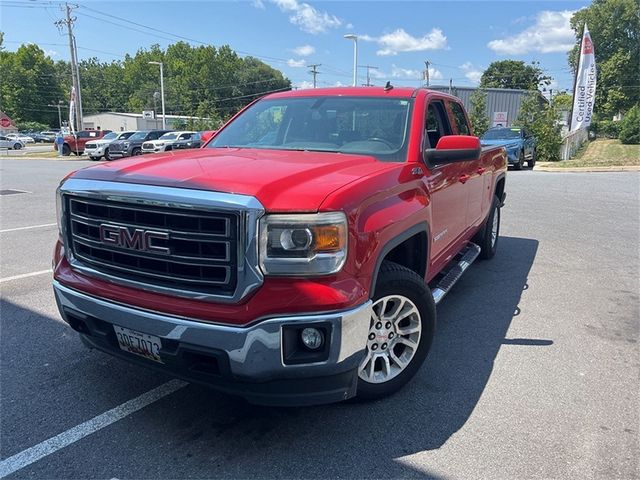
<point>59,112</point>
<point>75,74</point>
<point>425,74</point>
<point>368,67</point>
<point>314,71</point>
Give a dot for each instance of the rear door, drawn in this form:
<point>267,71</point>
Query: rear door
<point>448,194</point>
<point>477,173</point>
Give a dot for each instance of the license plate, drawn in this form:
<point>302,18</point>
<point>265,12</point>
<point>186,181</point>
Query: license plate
<point>138,343</point>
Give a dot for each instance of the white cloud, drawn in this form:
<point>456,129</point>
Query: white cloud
<point>471,72</point>
<point>408,73</point>
<point>50,53</point>
<point>304,50</point>
<point>551,32</point>
<point>401,41</point>
<point>258,4</point>
<point>307,18</point>
<point>349,26</point>
<point>296,63</point>
<point>303,85</point>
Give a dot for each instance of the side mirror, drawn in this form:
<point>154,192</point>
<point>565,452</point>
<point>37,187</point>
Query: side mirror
<point>453,148</point>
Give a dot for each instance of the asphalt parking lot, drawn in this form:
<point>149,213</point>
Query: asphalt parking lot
<point>534,370</point>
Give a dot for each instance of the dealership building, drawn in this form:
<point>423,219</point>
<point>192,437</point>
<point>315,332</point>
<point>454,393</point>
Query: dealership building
<point>119,122</point>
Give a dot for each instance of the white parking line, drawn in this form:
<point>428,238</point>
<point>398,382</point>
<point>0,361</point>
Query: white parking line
<point>64,439</point>
<point>28,228</point>
<point>24,275</point>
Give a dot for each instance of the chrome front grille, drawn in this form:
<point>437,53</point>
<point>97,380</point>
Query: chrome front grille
<point>90,145</point>
<point>181,242</point>
<point>148,146</point>
<point>185,250</point>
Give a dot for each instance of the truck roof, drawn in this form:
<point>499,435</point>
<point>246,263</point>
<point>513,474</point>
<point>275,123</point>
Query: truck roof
<point>397,92</point>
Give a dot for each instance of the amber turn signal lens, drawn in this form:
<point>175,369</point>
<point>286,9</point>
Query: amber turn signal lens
<point>329,238</point>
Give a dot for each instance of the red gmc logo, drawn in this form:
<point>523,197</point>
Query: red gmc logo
<point>137,239</point>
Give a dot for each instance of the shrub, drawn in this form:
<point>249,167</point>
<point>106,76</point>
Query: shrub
<point>609,128</point>
<point>630,127</point>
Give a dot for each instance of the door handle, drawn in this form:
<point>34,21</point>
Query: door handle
<point>464,177</point>
<point>480,170</point>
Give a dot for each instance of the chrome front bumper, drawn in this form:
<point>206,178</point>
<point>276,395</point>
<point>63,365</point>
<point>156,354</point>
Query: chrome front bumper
<point>249,354</point>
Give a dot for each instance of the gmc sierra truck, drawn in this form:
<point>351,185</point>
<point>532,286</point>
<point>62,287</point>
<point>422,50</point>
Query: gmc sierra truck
<point>297,258</point>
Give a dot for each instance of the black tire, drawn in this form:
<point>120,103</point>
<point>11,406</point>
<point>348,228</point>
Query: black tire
<point>94,158</point>
<point>395,279</point>
<point>520,164</point>
<point>17,146</point>
<point>484,238</point>
<point>66,150</point>
<point>532,163</point>
<point>106,154</point>
<point>136,151</point>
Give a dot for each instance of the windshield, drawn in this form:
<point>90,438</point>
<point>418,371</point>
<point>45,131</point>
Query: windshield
<point>169,136</point>
<point>502,134</point>
<point>125,135</point>
<point>359,125</point>
<point>138,136</point>
<point>110,136</point>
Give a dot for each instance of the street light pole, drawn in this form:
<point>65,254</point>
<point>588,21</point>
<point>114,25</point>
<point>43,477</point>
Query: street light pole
<point>351,36</point>
<point>164,121</point>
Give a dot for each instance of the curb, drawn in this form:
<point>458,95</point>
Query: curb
<point>621,168</point>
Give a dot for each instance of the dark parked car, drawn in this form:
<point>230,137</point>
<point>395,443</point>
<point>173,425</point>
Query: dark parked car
<point>133,145</point>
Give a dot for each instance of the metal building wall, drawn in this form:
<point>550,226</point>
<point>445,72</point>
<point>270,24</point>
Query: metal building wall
<point>498,100</point>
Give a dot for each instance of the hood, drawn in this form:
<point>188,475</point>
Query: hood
<point>280,180</point>
<point>100,141</point>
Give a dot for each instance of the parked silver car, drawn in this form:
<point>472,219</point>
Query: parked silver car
<point>10,143</point>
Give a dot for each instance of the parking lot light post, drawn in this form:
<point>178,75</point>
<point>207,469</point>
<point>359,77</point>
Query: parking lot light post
<point>164,122</point>
<point>351,36</point>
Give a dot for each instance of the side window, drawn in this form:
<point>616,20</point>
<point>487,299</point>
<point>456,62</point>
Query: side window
<point>437,124</point>
<point>184,136</point>
<point>154,135</point>
<point>460,119</point>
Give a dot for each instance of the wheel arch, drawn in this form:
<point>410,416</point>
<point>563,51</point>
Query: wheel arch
<point>395,250</point>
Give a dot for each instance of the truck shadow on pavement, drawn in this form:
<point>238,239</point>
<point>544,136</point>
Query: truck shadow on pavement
<point>197,432</point>
<point>365,440</point>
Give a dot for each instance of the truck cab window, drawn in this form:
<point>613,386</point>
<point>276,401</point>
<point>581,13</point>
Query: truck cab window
<point>460,119</point>
<point>437,124</point>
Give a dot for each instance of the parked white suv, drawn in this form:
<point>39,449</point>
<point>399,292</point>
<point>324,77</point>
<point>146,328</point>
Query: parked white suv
<point>97,149</point>
<point>166,141</point>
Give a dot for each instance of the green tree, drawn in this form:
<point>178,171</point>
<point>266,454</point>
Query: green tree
<point>614,26</point>
<point>478,114</point>
<point>540,118</point>
<point>630,128</point>
<point>514,74</point>
<point>28,85</point>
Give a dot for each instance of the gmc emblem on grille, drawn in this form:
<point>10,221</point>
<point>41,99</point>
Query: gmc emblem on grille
<point>137,239</point>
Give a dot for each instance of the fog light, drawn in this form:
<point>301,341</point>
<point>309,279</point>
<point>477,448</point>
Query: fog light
<point>312,338</point>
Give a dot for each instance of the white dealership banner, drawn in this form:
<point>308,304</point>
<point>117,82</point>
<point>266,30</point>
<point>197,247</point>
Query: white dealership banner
<point>72,110</point>
<point>584,92</point>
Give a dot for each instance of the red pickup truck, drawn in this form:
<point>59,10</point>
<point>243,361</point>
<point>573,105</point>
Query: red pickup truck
<point>297,258</point>
<point>75,143</point>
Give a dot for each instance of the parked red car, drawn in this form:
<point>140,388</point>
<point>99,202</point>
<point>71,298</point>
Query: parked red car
<point>75,143</point>
<point>298,257</point>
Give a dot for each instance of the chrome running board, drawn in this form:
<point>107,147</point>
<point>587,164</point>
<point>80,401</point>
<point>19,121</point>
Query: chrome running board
<point>466,258</point>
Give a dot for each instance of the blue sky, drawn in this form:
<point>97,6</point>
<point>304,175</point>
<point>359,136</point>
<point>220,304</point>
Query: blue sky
<point>459,38</point>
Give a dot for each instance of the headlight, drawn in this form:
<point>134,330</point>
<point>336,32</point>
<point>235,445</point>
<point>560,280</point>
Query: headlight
<point>304,244</point>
